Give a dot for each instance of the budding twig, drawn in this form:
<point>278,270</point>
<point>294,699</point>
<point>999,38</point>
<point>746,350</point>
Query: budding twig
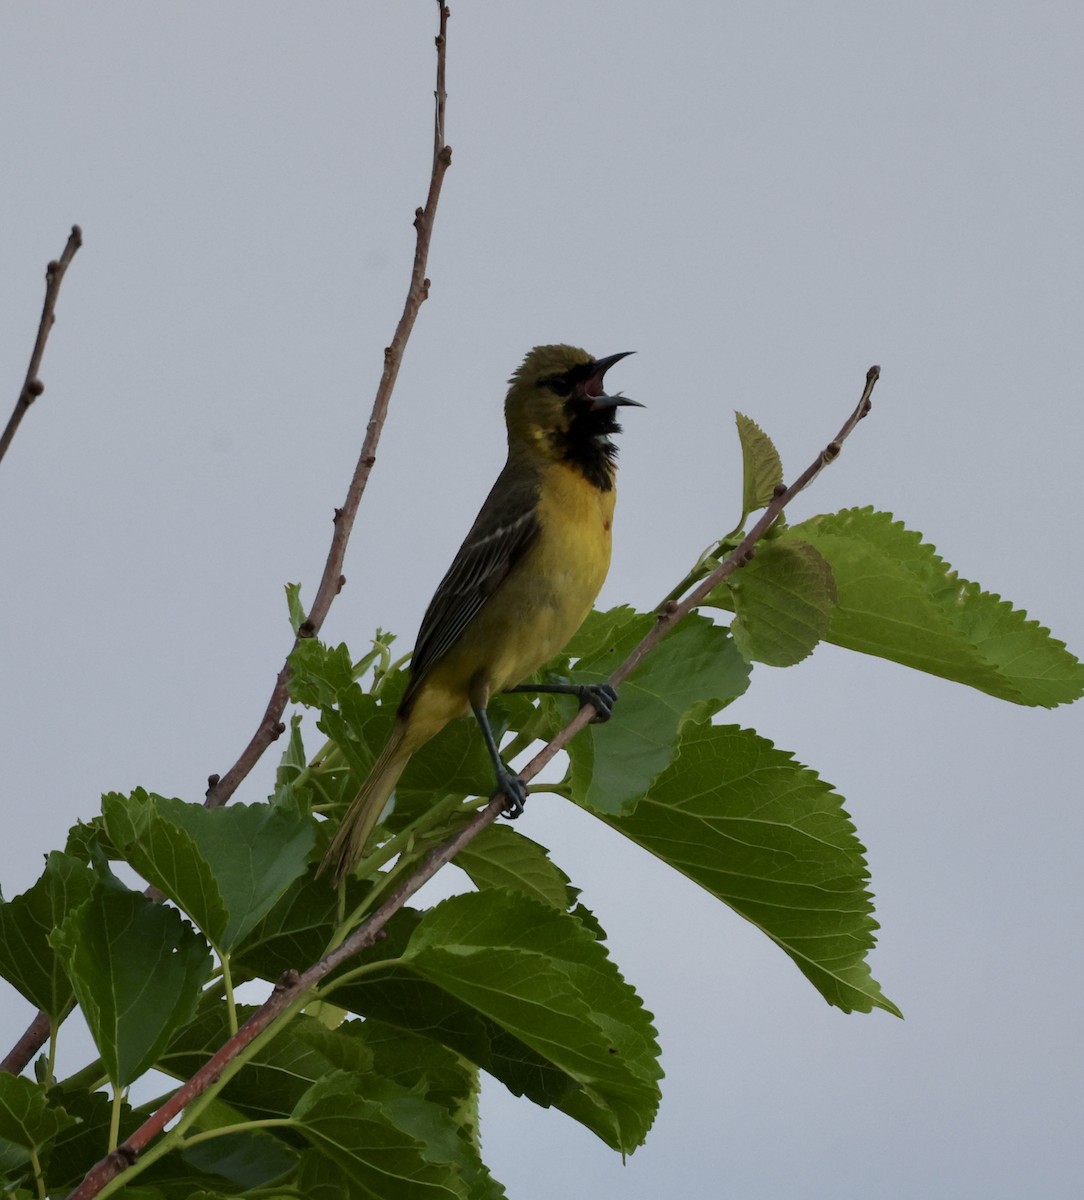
<point>32,385</point>
<point>331,580</point>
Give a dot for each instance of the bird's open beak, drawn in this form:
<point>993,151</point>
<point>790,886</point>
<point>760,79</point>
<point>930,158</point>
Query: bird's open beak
<point>593,388</point>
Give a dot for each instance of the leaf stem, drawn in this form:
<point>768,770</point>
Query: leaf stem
<point>50,1064</point>
<point>114,1117</point>
<point>357,973</point>
<point>39,1178</point>
<point>227,981</point>
<point>208,1135</point>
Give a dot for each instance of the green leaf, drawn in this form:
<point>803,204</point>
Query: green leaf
<point>319,1178</point>
<point>297,928</point>
<point>693,673</point>
<point>298,616</point>
<point>250,1158</point>
<point>137,968</point>
<point>762,471</point>
<point>357,722</point>
<point>15,1166</point>
<point>27,1119</point>
<point>502,857</point>
<point>771,839</point>
<point>293,760</point>
<point>225,867</point>
<point>390,1143</point>
<point>423,1067</point>
<point>528,994</point>
<point>27,961</point>
<point>88,841</point>
<point>783,599</point>
<point>899,600</point>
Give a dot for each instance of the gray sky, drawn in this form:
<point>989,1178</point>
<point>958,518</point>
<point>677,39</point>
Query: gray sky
<point>762,200</point>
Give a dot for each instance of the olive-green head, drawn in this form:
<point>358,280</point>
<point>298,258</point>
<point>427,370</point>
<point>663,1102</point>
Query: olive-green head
<point>557,404</point>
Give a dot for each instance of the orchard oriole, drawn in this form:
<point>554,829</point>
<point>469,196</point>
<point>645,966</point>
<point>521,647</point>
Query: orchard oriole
<point>522,583</point>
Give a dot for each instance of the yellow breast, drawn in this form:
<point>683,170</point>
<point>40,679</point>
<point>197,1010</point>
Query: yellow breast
<point>545,598</point>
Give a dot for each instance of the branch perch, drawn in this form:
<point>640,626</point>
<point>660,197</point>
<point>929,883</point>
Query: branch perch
<point>32,385</point>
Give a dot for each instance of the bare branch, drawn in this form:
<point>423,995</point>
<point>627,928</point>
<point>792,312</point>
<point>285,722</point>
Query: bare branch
<point>32,385</point>
<point>291,989</point>
<point>27,1046</point>
<point>331,581</point>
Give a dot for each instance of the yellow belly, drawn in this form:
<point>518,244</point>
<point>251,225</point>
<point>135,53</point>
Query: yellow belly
<point>536,609</point>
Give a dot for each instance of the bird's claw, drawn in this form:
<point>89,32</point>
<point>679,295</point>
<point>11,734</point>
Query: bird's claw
<point>602,696</point>
<point>515,794</point>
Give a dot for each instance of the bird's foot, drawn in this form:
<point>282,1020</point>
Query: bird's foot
<point>515,793</point>
<point>603,696</point>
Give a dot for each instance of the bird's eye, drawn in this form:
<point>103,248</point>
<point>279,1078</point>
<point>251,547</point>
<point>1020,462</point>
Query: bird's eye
<point>558,384</point>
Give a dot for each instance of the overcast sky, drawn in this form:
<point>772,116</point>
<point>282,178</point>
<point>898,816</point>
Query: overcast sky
<point>762,200</point>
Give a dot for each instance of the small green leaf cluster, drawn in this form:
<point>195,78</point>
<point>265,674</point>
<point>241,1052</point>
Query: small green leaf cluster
<point>367,1085</point>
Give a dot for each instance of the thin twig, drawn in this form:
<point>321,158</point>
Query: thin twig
<point>290,988</point>
<point>32,385</point>
<point>271,726</point>
<point>221,788</point>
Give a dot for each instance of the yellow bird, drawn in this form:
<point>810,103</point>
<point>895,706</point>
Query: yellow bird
<point>522,583</point>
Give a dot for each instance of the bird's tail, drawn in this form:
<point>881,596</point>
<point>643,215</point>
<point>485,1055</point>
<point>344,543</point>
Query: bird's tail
<point>348,845</point>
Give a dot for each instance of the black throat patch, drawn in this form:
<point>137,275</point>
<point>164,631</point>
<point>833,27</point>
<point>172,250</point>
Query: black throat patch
<point>586,444</point>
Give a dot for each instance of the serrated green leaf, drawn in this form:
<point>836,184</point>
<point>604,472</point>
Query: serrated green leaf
<point>899,600</point>
<point>502,857</point>
<point>88,841</point>
<point>762,471</point>
<point>297,928</point>
<point>137,968</point>
<point>322,677</point>
<point>294,760</point>
<point>319,1178</point>
<point>693,673</point>
<point>771,839</point>
<point>605,638</point>
<point>225,867</point>
<point>297,612</point>
<point>783,599</point>
<point>423,1067</point>
<point>27,1118</point>
<point>528,994</point>
<point>390,1143</point>
<point>251,1158</point>
<point>27,961</point>
<point>320,674</point>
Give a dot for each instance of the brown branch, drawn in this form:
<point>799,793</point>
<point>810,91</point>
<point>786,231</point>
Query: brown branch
<point>221,788</point>
<point>331,581</point>
<point>32,386</point>
<point>27,1046</point>
<point>290,988</point>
